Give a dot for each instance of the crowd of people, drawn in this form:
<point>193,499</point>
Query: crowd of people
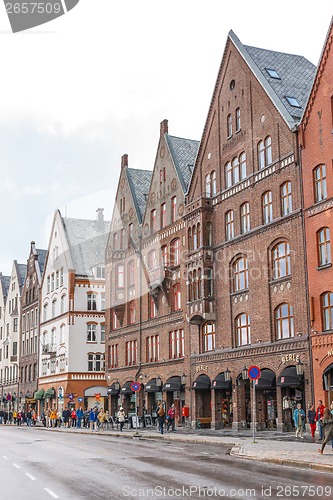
<point>321,417</point>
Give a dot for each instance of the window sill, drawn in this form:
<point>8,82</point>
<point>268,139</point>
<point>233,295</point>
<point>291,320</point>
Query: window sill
<point>324,266</point>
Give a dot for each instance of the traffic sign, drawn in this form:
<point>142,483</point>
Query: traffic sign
<point>254,372</point>
<point>135,386</point>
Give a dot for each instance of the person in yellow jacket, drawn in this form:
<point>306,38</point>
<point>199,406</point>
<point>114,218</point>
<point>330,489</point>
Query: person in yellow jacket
<point>100,419</point>
<point>53,418</point>
<point>15,417</point>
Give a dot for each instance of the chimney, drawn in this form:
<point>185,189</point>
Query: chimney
<point>33,248</point>
<point>164,128</point>
<point>100,220</point>
<point>124,161</point>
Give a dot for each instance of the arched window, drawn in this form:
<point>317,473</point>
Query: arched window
<point>241,274</point>
<point>229,225</point>
<point>319,179</point>
<point>190,241</point>
<point>208,186</point>
<point>194,236</point>
<point>281,260</point>
<point>267,207</point>
<point>268,150</point>
<point>261,155</point>
<point>62,303</point>
<point>175,252</point>
<point>214,191</point>
<point>327,310</point>
<point>164,252</point>
<point>229,125</point>
<point>208,337</point>
<point>199,293</point>
<point>209,234</point>
<point>243,329</point>
<point>198,235</point>
<point>242,162</point>
<point>132,312</point>
<point>194,288</point>
<point>235,170</point>
<point>238,120</point>
<point>324,246</point>
<point>228,175</point>
<point>189,286</point>
<point>286,198</point>
<point>245,217</point>
<point>284,321</point>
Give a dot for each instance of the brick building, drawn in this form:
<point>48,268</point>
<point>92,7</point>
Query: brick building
<point>245,263</point>
<point>147,341</point>
<point>316,143</point>
<point>29,336</point>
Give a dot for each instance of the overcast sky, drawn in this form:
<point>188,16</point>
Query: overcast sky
<point>79,92</point>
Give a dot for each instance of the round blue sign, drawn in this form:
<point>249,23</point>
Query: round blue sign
<point>254,372</point>
<point>135,386</point>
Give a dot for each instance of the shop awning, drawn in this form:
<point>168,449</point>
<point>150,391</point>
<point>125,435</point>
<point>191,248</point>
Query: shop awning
<point>112,391</point>
<point>152,387</point>
<point>49,393</point>
<point>267,379</point>
<point>39,394</point>
<point>172,384</point>
<point>202,383</point>
<point>219,383</point>
<point>126,389</point>
<point>289,378</point>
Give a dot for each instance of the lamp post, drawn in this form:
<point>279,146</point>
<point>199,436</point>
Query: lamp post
<point>245,374</point>
<point>227,375</point>
<point>299,368</point>
<point>183,379</point>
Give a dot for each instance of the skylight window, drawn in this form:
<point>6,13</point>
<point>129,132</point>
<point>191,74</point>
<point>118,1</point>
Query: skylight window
<point>293,101</point>
<point>272,73</point>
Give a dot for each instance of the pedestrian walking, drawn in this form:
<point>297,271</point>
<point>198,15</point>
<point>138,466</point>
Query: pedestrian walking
<point>327,429</point>
<point>171,418</point>
<point>299,417</point>
<point>319,415</point>
<point>92,419</point>
<point>121,418</point>
<point>312,420</point>
<point>160,412</point>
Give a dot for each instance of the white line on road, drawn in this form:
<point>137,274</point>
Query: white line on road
<point>5,457</point>
<point>175,448</point>
<point>204,453</point>
<point>17,466</point>
<point>30,476</point>
<point>50,492</point>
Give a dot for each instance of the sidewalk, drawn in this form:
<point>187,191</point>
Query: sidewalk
<point>270,446</point>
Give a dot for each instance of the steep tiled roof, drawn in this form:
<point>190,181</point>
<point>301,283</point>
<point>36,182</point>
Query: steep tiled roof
<point>86,243</point>
<point>4,281</point>
<point>295,76</point>
<point>139,181</point>
<point>22,271</point>
<point>41,259</point>
<point>184,153</point>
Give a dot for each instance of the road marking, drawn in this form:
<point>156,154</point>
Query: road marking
<point>30,476</point>
<point>5,457</point>
<point>175,447</point>
<point>50,492</point>
<point>204,453</point>
<point>17,466</point>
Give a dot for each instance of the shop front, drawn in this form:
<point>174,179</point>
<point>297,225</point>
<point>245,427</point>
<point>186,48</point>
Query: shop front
<point>95,396</point>
<point>127,398</point>
<point>202,401</point>
<point>174,388</point>
<point>113,392</point>
<point>291,385</point>
<point>328,385</point>
<point>222,386</point>
<point>266,402</point>
<point>153,394</point>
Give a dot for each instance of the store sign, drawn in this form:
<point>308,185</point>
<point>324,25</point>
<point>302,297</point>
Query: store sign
<point>290,357</point>
<point>97,396</point>
<point>200,368</point>
<point>330,352</point>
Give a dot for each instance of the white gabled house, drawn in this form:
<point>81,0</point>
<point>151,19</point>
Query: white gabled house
<point>72,317</point>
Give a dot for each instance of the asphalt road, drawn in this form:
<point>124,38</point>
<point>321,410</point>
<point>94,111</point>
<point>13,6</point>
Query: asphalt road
<point>38,464</point>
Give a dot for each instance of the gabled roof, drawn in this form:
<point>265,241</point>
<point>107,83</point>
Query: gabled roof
<point>41,259</point>
<point>139,182</point>
<point>4,282</point>
<point>184,153</point>
<point>21,273</point>
<point>86,243</point>
<point>295,74</point>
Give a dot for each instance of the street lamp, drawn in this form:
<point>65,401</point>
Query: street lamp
<point>245,375</point>
<point>300,368</point>
<point>117,385</point>
<point>227,375</point>
<point>183,379</point>
<point>158,381</point>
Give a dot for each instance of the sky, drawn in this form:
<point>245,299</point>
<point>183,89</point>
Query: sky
<point>80,91</point>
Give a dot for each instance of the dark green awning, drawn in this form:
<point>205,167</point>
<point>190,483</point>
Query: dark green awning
<point>49,393</point>
<point>39,394</point>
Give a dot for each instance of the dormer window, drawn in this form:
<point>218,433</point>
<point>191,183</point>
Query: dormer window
<point>293,101</point>
<point>272,73</point>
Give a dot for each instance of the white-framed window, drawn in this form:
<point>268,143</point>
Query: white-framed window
<point>91,332</point>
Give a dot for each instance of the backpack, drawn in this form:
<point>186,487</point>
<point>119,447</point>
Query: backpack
<point>161,412</point>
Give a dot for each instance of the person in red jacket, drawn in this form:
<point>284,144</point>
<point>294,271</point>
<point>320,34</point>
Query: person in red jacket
<point>319,416</point>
